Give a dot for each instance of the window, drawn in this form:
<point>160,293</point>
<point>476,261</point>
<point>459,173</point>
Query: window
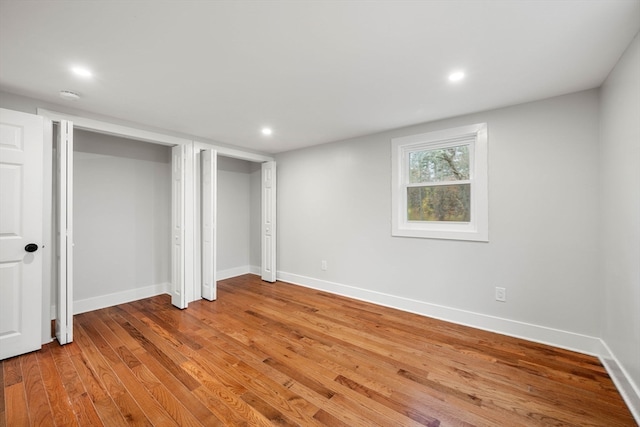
<point>439,184</point>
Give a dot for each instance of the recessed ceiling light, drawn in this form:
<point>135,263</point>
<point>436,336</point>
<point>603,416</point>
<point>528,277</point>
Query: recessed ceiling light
<point>69,96</point>
<point>267,131</point>
<point>81,72</point>
<point>456,76</point>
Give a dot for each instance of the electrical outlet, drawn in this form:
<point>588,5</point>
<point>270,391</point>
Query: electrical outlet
<point>323,265</point>
<point>501,294</point>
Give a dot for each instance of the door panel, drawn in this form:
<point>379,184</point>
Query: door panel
<point>178,162</point>
<point>209,174</point>
<point>269,221</point>
<point>21,185</point>
<point>64,315</point>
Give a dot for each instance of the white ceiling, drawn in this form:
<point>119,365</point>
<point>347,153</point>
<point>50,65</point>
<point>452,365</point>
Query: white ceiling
<point>315,71</point>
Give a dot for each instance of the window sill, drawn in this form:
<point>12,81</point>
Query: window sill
<point>465,235</point>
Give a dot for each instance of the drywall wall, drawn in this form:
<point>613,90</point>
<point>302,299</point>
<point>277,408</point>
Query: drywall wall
<point>334,204</point>
<point>619,159</point>
<point>122,215</point>
<point>236,239</point>
<point>255,190</point>
<point>233,213</point>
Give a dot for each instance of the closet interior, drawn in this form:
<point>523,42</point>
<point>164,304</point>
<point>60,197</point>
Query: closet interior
<point>238,217</point>
<point>122,216</point>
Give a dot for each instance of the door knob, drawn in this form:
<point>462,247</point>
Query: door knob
<point>31,247</point>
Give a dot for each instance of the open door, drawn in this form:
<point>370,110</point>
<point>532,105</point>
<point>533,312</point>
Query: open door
<point>178,166</point>
<point>269,221</point>
<point>64,315</point>
<point>209,175</point>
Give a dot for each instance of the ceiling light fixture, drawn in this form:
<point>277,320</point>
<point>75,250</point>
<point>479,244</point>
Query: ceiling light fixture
<point>267,131</point>
<point>82,72</point>
<point>456,76</point>
<point>69,96</point>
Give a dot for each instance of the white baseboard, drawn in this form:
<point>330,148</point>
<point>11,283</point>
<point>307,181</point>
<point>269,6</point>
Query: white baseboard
<point>628,389</point>
<point>237,271</point>
<point>542,334</point>
<point>109,300</point>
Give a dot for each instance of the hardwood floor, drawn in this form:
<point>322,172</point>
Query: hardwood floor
<point>279,354</point>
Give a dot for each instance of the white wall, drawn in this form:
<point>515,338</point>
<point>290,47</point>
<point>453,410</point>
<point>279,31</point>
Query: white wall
<point>255,181</point>
<point>619,158</point>
<point>236,240</point>
<point>334,204</point>
<point>233,213</point>
<point>122,215</point>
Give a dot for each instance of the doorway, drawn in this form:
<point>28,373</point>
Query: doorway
<point>235,217</point>
<point>114,189</point>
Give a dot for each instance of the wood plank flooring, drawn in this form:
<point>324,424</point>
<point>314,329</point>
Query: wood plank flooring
<point>278,354</point>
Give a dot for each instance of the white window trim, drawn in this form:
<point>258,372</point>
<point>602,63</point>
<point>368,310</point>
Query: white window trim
<point>475,230</point>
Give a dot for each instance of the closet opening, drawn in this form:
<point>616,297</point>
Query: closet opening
<point>235,218</point>
<point>111,222</point>
<point>126,181</point>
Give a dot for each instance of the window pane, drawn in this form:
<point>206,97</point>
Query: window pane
<point>443,164</point>
<point>439,203</point>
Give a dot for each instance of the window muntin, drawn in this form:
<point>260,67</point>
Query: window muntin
<point>440,184</point>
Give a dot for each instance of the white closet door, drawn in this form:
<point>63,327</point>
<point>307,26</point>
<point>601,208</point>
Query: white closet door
<point>269,221</point>
<point>178,175</point>
<point>209,174</point>
<point>64,315</point>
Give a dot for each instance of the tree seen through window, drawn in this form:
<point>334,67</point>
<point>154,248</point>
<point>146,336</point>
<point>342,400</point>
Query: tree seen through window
<point>433,193</point>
